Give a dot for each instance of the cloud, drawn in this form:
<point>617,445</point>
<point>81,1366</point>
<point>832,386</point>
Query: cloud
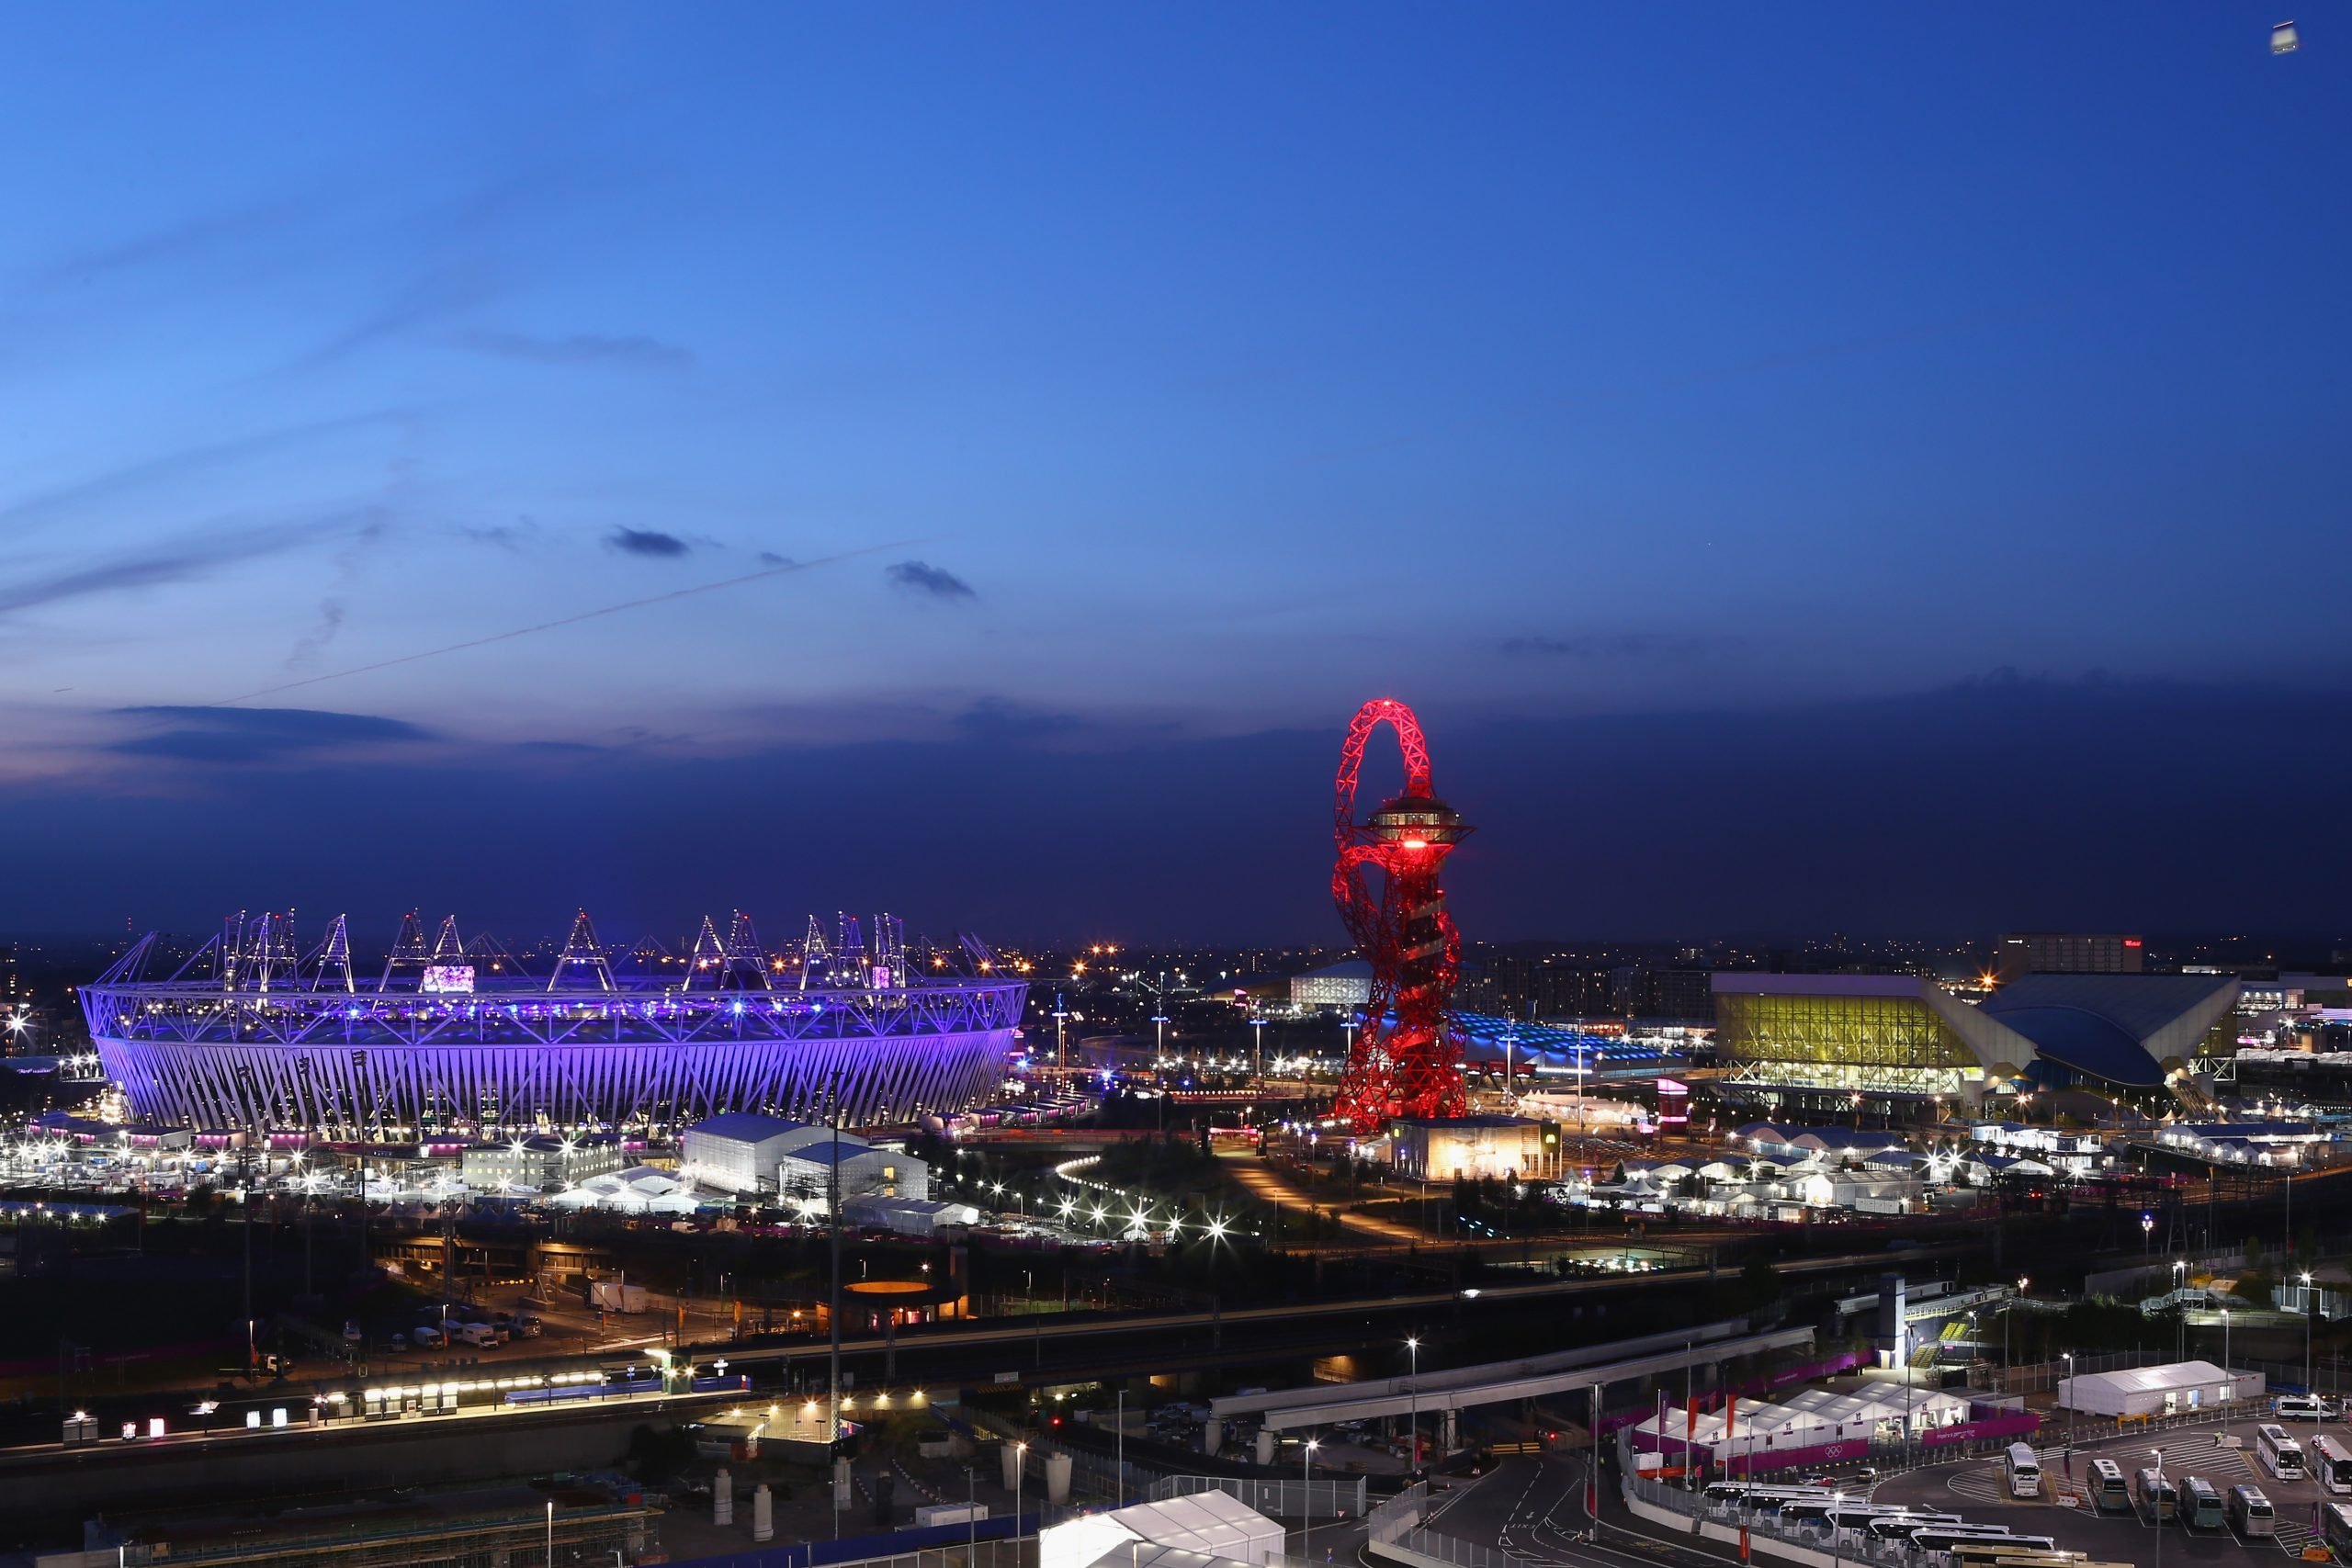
<point>919,577</point>
<point>173,243</point>
<point>646,542</point>
<point>428,301</point>
<point>179,562</point>
<point>256,735</point>
<point>105,491</point>
<point>769,558</point>
<point>633,351</point>
<point>1590,646</point>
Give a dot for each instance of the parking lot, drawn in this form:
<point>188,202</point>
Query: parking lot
<point>1978,1490</point>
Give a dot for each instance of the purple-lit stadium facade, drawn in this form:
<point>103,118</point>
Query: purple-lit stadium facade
<point>365,1058</point>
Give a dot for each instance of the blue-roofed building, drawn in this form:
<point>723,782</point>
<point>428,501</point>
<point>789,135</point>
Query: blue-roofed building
<point>1552,1051</point>
<point>2131,1031</point>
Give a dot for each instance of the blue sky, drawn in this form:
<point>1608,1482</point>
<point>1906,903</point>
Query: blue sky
<point>1123,380</point>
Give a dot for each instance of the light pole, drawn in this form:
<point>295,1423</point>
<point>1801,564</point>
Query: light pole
<point>2225,1340</point>
<point>2157,1506</point>
<point>2307,1331</point>
<point>1258,1069</point>
<point>2069,1358</point>
<point>1019,1463</point>
<point>1413,1403</point>
<point>2180,1314</point>
<point>1305,1485</point>
<point>1837,1530</point>
<point>2147,1234</point>
<point>551,1532</point>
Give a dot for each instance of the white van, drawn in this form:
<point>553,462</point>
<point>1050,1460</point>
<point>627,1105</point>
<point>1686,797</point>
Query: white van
<point>2302,1407</point>
<point>478,1333</point>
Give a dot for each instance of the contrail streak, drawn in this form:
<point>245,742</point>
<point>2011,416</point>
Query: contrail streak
<point>789,568</point>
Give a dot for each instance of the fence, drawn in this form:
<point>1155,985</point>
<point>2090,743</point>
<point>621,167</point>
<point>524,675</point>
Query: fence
<point>968,1552</point>
<point>2040,1376</point>
<point>2132,1282</point>
<point>1302,1499</point>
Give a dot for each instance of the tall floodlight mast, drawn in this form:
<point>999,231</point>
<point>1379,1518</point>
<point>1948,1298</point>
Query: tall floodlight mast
<point>1410,1067</point>
<point>408,952</point>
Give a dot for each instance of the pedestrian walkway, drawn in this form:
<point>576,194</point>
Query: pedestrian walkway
<point>1268,1186</point>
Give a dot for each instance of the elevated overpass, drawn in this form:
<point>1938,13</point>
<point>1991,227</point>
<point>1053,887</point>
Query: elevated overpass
<point>1317,1395</point>
<point>1504,1383</point>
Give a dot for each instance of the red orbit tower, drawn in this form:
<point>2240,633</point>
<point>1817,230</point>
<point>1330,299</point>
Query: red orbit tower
<point>1412,1068</point>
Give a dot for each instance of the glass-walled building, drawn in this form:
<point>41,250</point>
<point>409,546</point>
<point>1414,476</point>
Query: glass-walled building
<point>1884,1041</point>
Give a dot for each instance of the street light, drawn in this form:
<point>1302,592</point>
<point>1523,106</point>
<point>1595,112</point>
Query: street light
<point>2068,1356</point>
<point>1019,1463</point>
<point>1837,1530</point>
<point>2157,1506</point>
<point>1305,1485</point>
<point>1413,1403</point>
<point>2307,1331</point>
<point>2225,1341</point>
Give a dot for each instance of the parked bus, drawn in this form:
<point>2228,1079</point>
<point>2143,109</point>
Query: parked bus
<point>2281,1455</point>
<point>1941,1537</point>
<point>2009,1555</point>
<point>2107,1487</point>
<point>2332,1462</point>
<point>1899,1527</point>
<point>2250,1513</point>
<point>1983,1543</point>
<point>1736,1494</point>
<point>2200,1504</point>
<point>2024,1471</point>
<point>2157,1498</point>
<point>2336,1528</point>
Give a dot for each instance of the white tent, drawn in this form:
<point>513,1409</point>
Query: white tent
<point>2156,1391</point>
<point>1211,1523</point>
<point>1812,1416</point>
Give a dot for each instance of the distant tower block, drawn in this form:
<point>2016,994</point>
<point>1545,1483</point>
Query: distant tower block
<point>1409,1067</point>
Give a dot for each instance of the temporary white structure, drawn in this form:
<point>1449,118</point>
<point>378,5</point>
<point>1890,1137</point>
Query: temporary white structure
<point>1211,1523</point>
<point>2156,1391</point>
<point>1814,1416</point>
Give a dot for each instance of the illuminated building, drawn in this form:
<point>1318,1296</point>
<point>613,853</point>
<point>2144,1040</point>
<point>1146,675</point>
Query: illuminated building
<point>246,1034</point>
<point>539,1161</point>
<point>1838,1040</point>
<point>1455,1148</point>
<point>1347,985</point>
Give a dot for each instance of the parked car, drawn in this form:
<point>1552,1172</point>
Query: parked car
<point>528,1326</point>
<point>352,1334</point>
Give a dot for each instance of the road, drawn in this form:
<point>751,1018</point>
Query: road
<point>1533,1511</point>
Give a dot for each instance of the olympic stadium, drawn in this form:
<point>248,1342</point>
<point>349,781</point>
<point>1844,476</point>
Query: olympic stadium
<point>248,1035</point>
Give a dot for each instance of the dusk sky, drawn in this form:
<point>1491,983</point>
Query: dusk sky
<point>1878,468</point>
